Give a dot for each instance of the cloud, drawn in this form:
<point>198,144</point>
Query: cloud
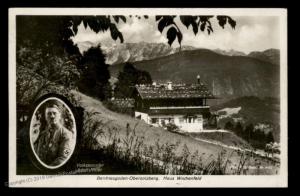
<point>89,35</point>
<point>246,37</point>
<point>251,34</point>
<point>141,30</point>
<point>135,30</point>
<point>250,37</point>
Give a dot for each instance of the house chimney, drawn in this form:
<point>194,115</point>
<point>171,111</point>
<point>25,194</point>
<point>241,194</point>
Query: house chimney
<point>169,86</point>
<point>198,78</point>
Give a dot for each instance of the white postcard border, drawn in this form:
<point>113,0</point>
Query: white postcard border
<point>15,180</point>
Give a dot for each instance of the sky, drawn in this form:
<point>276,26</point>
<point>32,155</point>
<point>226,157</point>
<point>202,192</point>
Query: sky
<point>252,33</point>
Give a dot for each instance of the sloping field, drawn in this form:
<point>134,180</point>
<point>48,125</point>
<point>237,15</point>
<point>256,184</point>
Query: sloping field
<point>116,123</point>
<point>227,138</point>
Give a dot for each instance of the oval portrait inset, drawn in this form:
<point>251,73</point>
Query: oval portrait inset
<point>53,133</point>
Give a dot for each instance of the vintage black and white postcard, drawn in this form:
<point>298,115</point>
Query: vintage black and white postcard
<point>115,97</point>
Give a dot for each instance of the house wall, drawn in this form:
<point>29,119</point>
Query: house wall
<point>143,116</point>
<point>195,126</point>
<point>185,124</point>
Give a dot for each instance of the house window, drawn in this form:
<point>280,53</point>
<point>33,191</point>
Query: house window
<point>191,119</point>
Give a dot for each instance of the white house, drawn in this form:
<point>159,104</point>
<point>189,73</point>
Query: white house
<point>181,104</point>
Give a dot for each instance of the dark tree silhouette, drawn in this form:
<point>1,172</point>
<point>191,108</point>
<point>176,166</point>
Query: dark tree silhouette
<point>229,126</point>
<point>269,137</point>
<point>50,33</point>
<point>128,78</point>
<point>249,132</point>
<point>95,74</point>
<point>238,129</point>
<point>201,23</point>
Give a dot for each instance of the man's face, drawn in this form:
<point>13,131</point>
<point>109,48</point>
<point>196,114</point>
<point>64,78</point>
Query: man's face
<point>53,116</point>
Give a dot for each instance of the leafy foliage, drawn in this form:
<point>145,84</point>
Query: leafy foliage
<point>99,23</point>
<point>171,35</point>
<point>255,110</point>
<point>256,137</point>
<point>224,19</point>
<point>229,125</point>
<point>38,71</point>
<point>57,30</point>
<point>197,22</point>
<point>128,78</point>
<point>95,74</point>
<point>114,105</point>
<point>50,33</point>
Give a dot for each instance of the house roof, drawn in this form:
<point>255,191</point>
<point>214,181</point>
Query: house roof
<point>178,91</point>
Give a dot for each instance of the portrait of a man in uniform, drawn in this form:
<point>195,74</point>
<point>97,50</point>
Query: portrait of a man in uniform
<point>54,142</point>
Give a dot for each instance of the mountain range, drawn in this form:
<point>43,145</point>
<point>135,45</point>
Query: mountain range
<point>230,52</point>
<point>270,55</point>
<point>132,52</point>
<point>226,76</point>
